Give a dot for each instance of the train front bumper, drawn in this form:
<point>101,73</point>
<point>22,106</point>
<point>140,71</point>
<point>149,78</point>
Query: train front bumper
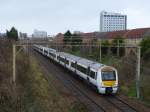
<point>108,90</point>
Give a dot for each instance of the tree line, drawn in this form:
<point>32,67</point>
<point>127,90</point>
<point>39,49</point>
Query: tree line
<point>72,39</point>
<point>76,39</point>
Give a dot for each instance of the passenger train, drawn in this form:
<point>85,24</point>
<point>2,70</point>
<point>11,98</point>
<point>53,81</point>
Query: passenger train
<point>103,77</point>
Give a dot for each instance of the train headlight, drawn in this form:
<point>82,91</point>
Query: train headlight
<point>101,84</point>
<point>115,85</point>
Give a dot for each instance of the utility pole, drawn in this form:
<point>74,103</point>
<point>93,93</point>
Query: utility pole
<point>138,72</point>
<point>118,48</point>
<point>14,63</point>
<point>100,51</point>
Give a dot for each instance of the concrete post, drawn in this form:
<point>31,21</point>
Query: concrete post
<point>100,52</point>
<point>138,72</point>
<point>118,48</point>
<point>14,63</point>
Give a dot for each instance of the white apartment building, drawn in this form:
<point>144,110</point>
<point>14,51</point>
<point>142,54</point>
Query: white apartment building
<point>39,34</point>
<point>112,21</point>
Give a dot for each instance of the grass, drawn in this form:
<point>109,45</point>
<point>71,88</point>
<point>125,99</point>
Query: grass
<point>76,106</point>
<point>7,88</point>
<point>132,90</point>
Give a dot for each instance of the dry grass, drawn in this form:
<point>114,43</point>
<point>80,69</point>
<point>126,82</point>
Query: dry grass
<point>7,89</point>
<point>32,92</point>
<point>40,95</point>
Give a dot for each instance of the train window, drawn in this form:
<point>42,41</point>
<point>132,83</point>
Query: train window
<point>58,57</point>
<point>62,59</point>
<point>67,62</point>
<point>88,71</point>
<point>53,55</point>
<point>81,69</point>
<point>45,51</point>
<point>92,74</point>
<point>108,75</point>
<point>73,65</point>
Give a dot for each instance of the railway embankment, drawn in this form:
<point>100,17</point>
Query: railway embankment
<point>31,92</point>
<point>41,94</point>
<point>7,88</point>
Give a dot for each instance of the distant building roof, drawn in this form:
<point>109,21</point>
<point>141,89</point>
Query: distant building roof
<point>137,33</point>
<point>128,34</point>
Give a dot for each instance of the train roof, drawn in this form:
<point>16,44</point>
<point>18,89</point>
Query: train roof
<point>86,62</point>
<point>47,48</point>
<point>50,49</point>
<point>70,56</point>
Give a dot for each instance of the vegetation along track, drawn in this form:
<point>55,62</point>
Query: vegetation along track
<point>93,107</point>
<point>120,104</point>
<point>98,103</point>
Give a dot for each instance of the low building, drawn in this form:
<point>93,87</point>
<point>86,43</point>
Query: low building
<point>59,38</point>
<point>39,34</point>
<point>2,35</point>
<point>135,36</point>
<point>131,37</point>
<point>22,35</point>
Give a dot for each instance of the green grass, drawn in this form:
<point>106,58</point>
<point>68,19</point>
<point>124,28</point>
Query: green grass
<point>132,90</point>
<point>77,53</point>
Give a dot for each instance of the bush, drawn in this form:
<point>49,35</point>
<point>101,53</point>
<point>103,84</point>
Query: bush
<point>146,54</point>
<point>145,48</point>
<point>105,46</point>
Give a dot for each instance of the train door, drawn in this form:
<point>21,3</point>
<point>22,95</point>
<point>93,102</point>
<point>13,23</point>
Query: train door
<point>93,76</point>
<point>88,74</point>
<point>75,66</point>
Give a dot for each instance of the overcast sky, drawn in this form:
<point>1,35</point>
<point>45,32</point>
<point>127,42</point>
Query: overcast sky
<point>56,16</point>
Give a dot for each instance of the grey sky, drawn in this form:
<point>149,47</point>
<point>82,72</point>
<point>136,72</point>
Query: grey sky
<point>56,16</point>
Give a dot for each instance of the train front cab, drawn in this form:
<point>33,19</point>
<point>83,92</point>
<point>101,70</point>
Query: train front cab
<point>107,80</point>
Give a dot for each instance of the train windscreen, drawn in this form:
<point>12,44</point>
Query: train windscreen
<point>108,75</point>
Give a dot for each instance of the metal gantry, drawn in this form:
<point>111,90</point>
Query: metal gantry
<point>138,51</point>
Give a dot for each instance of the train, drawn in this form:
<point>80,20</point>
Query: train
<point>104,78</point>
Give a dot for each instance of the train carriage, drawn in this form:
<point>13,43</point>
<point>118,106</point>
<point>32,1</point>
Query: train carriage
<point>104,78</point>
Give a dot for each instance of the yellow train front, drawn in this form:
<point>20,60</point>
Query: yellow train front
<point>107,80</point>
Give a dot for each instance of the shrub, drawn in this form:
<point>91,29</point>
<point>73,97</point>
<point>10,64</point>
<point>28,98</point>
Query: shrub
<point>145,48</point>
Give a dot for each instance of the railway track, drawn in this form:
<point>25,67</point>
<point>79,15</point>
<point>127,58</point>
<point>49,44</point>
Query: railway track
<point>123,106</point>
<point>94,107</point>
<point>97,103</point>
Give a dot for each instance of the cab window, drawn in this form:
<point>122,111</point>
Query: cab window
<point>108,75</point>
